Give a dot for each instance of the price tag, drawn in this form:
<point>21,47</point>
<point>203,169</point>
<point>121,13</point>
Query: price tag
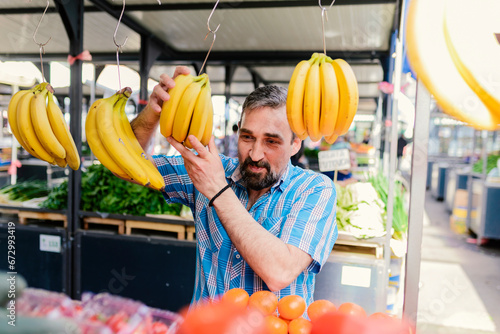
<point>50,243</point>
<point>334,160</point>
<point>356,276</point>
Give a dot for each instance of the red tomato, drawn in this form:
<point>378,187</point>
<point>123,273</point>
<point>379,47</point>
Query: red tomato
<point>352,309</point>
<point>338,323</point>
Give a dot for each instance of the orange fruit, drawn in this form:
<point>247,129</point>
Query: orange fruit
<point>380,315</point>
<point>236,297</point>
<point>299,326</point>
<point>263,301</point>
<point>318,308</point>
<point>275,325</point>
<point>291,307</point>
<point>352,309</point>
<point>340,323</point>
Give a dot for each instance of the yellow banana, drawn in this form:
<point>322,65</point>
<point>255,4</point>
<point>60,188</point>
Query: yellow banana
<point>185,110</point>
<point>96,145</point>
<point>200,115</point>
<point>329,98</point>
<point>349,96</point>
<point>60,162</point>
<point>207,134</point>
<point>61,131</point>
<point>113,143</point>
<point>312,101</point>
<point>12,115</point>
<point>41,125</point>
<point>125,132</point>
<point>26,129</point>
<point>332,138</point>
<point>170,107</point>
<point>474,47</point>
<point>295,97</point>
<point>429,57</point>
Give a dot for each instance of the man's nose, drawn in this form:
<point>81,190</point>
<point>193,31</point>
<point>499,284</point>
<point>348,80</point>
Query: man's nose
<point>257,152</point>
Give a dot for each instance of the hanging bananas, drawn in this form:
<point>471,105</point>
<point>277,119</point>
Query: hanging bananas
<point>40,128</point>
<point>322,98</point>
<point>112,140</point>
<point>189,111</point>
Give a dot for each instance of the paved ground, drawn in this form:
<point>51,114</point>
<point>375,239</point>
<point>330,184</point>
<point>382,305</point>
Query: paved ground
<point>460,281</point>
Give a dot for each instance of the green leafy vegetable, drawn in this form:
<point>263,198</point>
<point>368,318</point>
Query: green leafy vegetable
<point>491,162</point>
<point>26,190</point>
<point>104,192</point>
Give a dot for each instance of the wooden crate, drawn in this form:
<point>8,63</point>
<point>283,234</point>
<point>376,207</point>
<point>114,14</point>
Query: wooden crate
<point>104,221</point>
<point>190,230</point>
<point>165,227</point>
<point>347,243</point>
<point>39,216</point>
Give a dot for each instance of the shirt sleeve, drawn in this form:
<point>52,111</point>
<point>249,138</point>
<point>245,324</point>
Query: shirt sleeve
<point>178,185</point>
<point>311,224</point>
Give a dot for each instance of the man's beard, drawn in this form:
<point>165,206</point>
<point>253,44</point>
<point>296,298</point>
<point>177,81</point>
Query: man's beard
<point>257,181</point>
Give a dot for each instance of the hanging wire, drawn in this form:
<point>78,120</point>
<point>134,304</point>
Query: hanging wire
<point>210,31</point>
<point>324,16</point>
<point>119,46</point>
<point>41,45</point>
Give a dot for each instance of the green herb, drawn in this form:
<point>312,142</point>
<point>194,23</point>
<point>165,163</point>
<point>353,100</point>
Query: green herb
<point>104,192</point>
<point>491,162</point>
<point>26,190</point>
<point>58,197</point>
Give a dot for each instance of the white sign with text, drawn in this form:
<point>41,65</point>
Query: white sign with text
<point>334,160</point>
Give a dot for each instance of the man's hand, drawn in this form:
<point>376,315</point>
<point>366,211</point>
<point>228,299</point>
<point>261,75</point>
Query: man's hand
<point>205,169</point>
<point>160,94</point>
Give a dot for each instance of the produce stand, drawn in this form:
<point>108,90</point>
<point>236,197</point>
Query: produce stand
<point>158,271</point>
<point>43,265</point>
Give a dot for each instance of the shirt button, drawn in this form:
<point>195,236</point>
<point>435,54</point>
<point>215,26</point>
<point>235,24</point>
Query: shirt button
<point>238,256</point>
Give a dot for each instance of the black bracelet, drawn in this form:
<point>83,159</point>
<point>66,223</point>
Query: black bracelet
<point>211,203</point>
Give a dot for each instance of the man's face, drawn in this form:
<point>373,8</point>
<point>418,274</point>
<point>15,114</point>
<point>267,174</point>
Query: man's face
<point>265,146</point>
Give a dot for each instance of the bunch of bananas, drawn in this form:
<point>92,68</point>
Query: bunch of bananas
<point>113,142</point>
<point>189,110</point>
<point>322,98</point>
<point>40,128</point>
<point>457,62</point>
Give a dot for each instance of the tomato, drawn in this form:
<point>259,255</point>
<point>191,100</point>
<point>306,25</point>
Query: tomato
<point>320,307</point>
<point>236,297</point>
<point>264,301</point>
<point>299,326</point>
<point>352,309</point>
<point>338,323</point>
<point>274,325</point>
<point>291,307</point>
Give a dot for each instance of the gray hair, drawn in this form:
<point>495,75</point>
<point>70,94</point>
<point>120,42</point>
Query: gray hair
<point>267,96</point>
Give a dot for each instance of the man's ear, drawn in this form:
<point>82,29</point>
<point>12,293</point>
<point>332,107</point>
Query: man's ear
<point>296,143</point>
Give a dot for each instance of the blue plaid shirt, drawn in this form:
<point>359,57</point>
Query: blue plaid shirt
<point>300,209</point>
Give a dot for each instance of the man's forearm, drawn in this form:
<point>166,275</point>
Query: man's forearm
<point>144,126</point>
<point>277,263</point>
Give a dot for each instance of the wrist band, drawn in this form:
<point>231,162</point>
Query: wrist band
<point>211,203</point>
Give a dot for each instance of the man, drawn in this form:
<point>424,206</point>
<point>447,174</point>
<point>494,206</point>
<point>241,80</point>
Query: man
<point>261,223</point>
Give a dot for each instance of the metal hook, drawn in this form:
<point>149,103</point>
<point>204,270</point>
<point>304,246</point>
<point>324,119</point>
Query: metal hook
<point>324,16</point>
<point>116,30</point>
<point>119,46</point>
<point>41,45</point>
<point>210,31</point>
